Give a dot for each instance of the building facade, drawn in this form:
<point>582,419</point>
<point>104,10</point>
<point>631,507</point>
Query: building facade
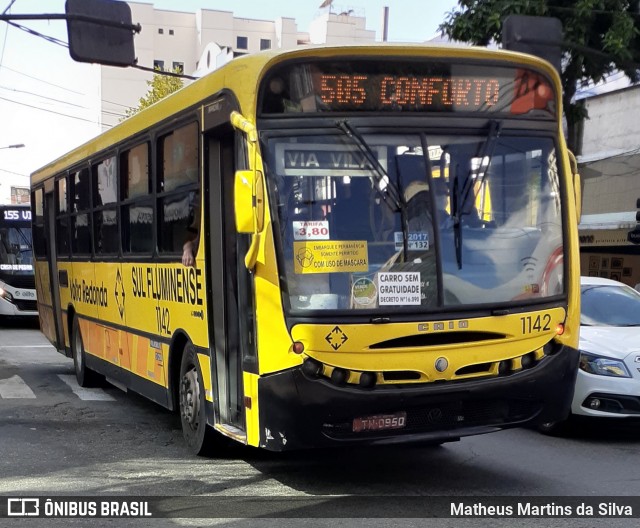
<point>610,172</point>
<point>197,43</point>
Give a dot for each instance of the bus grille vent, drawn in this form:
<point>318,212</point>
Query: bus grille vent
<point>438,339</point>
<point>26,306</point>
<point>479,368</point>
<point>401,375</point>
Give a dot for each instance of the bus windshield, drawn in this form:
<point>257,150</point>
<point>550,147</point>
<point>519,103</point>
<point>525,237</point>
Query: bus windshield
<point>16,248</point>
<point>474,225</point>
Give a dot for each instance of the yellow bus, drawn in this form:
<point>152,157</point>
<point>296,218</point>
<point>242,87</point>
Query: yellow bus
<point>325,246</point>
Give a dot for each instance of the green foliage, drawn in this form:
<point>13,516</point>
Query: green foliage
<point>600,36</point>
<point>159,87</point>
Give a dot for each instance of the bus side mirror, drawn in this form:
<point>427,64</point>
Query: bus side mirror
<point>249,208</point>
<point>243,197</point>
<point>577,186</point>
<point>259,201</point>
<point>249,201</point>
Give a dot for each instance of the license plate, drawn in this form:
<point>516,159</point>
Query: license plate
<point>380,422</point>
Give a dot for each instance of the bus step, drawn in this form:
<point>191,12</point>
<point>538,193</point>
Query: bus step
<point>232,431</point>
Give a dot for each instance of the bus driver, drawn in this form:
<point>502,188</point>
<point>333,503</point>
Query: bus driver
<point>192,237</point>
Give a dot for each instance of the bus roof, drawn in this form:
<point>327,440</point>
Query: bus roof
<point>240,76</point>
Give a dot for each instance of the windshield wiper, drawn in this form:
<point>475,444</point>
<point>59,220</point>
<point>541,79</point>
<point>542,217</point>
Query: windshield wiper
<point>461,197</point>
<point>485,152</point>
<point>381,181</point>
<point>25,239</point>
<point>386,188</point>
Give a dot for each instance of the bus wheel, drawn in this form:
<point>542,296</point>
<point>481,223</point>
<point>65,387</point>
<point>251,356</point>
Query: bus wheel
<point>193,416</point>
<point>85,376</point>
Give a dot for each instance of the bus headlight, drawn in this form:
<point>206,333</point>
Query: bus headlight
<point>6,295</point>
<point>603,366</point>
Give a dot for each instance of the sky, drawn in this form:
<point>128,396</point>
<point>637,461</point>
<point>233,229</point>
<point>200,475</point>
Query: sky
<point>48,102</point>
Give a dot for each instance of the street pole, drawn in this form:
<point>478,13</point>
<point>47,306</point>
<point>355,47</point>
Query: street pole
<point>17,145</point>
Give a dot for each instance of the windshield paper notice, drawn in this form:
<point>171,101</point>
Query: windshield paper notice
<point>311,230</point>
<point>333,256</point>
<point>399,288</point>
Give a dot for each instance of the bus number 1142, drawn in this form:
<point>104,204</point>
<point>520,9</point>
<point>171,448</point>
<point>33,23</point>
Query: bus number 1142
<point>539,323</point>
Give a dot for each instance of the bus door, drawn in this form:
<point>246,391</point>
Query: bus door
<point>229,295</point>
<point>50,237</point>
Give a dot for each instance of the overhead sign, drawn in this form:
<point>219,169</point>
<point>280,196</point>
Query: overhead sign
<point>101,31</point>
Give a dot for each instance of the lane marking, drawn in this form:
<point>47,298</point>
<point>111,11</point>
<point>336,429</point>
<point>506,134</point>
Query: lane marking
<point>83,393</point>
<point>27,346</point>
<point>14,388</point>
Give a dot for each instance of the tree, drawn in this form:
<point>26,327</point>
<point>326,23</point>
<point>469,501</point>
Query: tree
<point>159,87</point>
<point>600,36</point>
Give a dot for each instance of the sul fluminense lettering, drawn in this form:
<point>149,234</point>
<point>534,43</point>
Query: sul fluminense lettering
<point>183,285</point>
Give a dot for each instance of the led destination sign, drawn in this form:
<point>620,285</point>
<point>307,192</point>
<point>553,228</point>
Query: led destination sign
<point>391,91</point>
<point>407,86</point>
<point>16,215</point>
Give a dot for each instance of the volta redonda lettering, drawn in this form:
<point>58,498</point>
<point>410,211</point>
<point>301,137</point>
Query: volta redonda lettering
<point>183,285</point>
<point>89,293</point>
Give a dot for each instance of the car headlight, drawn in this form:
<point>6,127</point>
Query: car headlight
<point>603,366</point>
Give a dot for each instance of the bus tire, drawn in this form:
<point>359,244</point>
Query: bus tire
<point>193,417</point>
<point>85,376</point>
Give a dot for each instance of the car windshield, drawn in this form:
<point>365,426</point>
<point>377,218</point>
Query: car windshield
<point>610,305</point>
<point>415,221</point>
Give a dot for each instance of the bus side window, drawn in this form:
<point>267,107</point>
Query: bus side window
<point>106,235</point>
<point>81,219</point>
<point>137,210</point>
<point>178,189</point>
<point>37,206</point>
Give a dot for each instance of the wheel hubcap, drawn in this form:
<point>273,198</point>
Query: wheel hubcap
<point>190,398</point>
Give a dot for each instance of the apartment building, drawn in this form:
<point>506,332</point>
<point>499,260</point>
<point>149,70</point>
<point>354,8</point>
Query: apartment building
<point>197,43</point>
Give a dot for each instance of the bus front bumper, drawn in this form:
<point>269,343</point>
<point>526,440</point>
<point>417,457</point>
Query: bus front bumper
<point>18,308</point>
<point>299,412</point>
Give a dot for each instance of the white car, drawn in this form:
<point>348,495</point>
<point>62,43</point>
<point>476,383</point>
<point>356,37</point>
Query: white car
<point>608,382</point>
